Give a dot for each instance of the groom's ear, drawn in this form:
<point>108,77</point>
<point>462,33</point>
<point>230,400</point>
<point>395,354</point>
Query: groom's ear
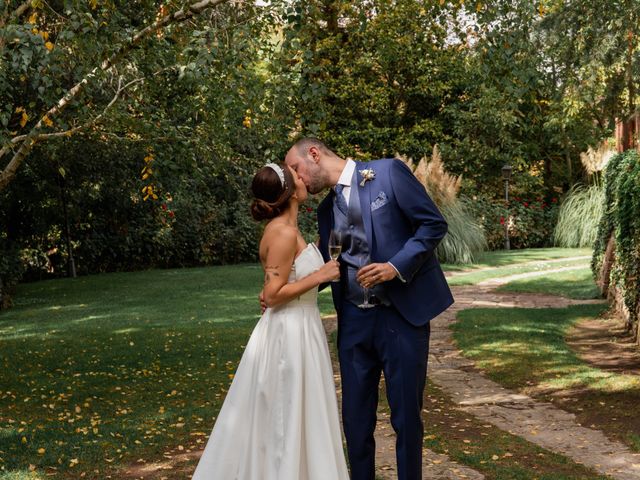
<point>314,152</point>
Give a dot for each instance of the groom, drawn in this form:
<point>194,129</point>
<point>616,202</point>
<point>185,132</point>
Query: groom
<point>385,215</point>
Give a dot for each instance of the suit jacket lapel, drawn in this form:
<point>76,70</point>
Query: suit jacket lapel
<point>364,193</point>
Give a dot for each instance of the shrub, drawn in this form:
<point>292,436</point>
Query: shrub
<point>530,221</point>
<point>622,220</point>
<point>579,217</point>
<point>465,238</point>
<point>11,270</point>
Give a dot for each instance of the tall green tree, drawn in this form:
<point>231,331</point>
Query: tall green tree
<point>61,58</point>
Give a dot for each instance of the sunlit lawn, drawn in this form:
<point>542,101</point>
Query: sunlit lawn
<point>502,258</point>
<point>475,276</point>
<point>103,370</point>
<point>578,284</point>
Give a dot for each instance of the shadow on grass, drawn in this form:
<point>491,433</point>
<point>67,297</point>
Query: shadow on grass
<point>521,347</point>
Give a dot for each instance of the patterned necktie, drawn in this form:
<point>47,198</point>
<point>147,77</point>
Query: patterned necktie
<point>340,201</point>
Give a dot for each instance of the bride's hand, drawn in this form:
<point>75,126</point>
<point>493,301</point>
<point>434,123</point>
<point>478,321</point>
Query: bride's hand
<point>263,305</point>
<point>329,271</point>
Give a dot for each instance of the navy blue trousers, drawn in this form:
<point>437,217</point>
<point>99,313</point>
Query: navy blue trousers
<point>372,341</point>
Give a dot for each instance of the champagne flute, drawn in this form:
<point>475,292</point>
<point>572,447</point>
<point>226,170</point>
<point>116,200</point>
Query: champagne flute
<point>365,303</point>
<point>335,246</point>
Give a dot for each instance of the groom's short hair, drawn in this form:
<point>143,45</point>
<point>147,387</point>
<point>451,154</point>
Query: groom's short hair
<point>305,143</point>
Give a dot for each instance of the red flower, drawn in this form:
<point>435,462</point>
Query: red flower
<point>526,204</point>
<point>501,220</point>
<point>164,207</point>
<point>554,200</point>
<point>171,214</point>
<point>309,209</point>
<point>544,205</point>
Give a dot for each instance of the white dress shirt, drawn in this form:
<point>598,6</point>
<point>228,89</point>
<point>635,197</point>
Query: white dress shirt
<point>345,179</point>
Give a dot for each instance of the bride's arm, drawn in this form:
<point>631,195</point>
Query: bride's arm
<point>280,254</point>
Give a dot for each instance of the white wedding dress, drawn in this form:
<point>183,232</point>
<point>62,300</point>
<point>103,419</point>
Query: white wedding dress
<point>279,420</point>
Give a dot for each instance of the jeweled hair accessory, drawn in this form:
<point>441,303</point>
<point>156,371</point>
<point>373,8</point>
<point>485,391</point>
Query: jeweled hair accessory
<point>278,169</point>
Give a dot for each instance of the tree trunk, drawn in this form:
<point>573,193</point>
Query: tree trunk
<point>71,264</point>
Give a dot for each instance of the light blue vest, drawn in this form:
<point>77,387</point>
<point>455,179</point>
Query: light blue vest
<point>355,248</point>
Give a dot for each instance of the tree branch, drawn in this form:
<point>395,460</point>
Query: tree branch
<point>71,131</point>
<point>17,13</point>
<point>29,140</point>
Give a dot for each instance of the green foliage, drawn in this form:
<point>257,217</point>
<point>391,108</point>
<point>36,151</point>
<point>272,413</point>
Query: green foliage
<point>579,217</point>
<point>371,94</point>
<point>530,221</point>
<point>202,113</point>
<point>11,270</point>
<point>622,220</point>
<point>210,101</point>
<point>465,238</point>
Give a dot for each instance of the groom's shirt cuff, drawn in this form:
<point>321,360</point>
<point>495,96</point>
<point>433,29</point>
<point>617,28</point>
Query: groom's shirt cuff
<point>398,272</point>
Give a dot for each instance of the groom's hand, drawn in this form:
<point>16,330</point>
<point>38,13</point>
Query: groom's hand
<point>376,273</point>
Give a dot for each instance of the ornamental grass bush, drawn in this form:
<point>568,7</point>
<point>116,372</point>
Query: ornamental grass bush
<point>579,217</point>
<point>465,238</point>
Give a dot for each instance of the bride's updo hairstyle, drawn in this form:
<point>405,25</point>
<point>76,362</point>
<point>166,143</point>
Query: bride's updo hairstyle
<point>271,192</point>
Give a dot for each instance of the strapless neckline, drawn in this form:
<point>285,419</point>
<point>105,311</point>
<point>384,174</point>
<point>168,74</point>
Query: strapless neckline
<point>305,249</point>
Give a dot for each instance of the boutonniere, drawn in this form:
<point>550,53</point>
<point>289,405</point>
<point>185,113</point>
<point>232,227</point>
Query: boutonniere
<point>367,174</point>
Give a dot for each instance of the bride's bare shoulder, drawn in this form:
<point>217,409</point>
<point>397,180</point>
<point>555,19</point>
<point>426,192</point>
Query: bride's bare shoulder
<point>279,236</point>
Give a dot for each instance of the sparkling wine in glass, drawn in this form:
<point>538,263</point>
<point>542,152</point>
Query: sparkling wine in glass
<point>335,246</point>
<point>365,301</point>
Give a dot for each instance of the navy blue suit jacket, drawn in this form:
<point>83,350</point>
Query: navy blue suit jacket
<point>404,227</point>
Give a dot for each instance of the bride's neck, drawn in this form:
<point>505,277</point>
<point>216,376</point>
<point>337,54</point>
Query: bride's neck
<point>290,215</point>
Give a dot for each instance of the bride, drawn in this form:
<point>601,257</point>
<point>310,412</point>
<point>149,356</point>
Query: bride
<point>279,420</point>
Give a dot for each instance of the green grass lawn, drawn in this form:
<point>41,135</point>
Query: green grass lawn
<point>103,370</point>
<point>578,284</point>
<point>501,258</point>
<point>475,276</point>
<point>107,369</point>
<point>525,349</point>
